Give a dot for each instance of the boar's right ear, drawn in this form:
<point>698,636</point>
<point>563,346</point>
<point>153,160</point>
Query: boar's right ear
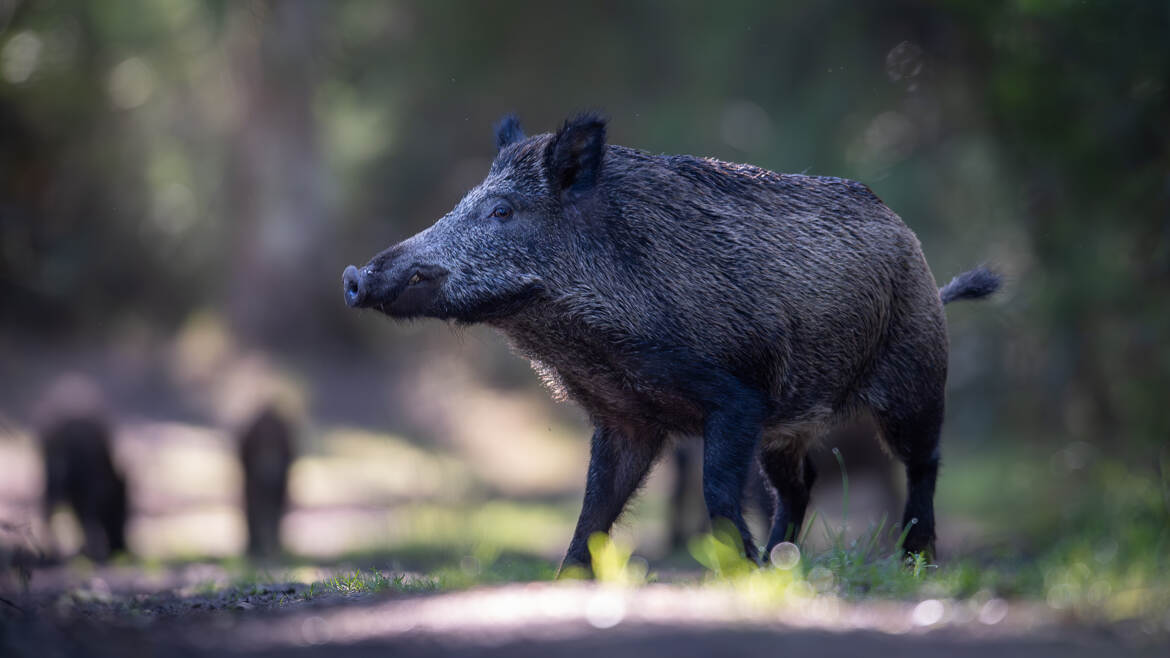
<point>573,158</point>
<point>508,131</point>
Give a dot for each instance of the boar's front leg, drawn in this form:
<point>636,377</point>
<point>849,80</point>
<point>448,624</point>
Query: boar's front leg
<point>730,434</point>
<point>617,466</point>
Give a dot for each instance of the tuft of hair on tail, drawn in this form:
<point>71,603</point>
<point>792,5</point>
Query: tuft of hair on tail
<point>974,284</point>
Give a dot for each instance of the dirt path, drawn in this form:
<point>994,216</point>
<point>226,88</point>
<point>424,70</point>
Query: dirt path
<point>538,619</point>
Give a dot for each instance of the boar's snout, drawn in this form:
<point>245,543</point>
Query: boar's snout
<point>354,286</point>
<point>399,292</point>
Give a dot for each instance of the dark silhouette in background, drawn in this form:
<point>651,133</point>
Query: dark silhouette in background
<point>265,454</point>
<point>80,472</point>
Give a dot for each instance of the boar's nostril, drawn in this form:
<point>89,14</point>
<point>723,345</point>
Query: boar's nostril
<point>351,283</point>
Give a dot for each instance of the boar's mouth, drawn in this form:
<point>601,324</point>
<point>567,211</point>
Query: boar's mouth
<point>502,304</point>
<point>404,293</point>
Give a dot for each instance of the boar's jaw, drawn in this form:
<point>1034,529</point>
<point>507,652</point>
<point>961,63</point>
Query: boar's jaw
<point>418,294</point>
<point>496,309</point>
<point>401,292</point>
<point>415,292</point>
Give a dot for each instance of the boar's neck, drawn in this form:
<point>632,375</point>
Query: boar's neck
<point>604,364</point>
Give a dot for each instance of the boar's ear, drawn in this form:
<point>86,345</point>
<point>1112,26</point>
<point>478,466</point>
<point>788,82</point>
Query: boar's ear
<point>508,131</point>
<point>573,158</point>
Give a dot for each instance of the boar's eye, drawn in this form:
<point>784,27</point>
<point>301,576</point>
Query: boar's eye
<point>502,212</point>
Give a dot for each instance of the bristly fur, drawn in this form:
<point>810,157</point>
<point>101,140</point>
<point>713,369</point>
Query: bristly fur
<point>975,284</point>
<point>508,131</point>
<point>573,158</point>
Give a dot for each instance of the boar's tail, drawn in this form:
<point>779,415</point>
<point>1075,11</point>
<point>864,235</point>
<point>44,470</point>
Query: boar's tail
<point>975,284</point>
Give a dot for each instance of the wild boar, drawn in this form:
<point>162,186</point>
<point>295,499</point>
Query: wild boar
<point>265,454</point>
<point>673,295</point>
<point>80,472</point>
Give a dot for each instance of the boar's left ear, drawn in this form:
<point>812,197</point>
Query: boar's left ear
<point>573,158</point>
<point>508,131</point>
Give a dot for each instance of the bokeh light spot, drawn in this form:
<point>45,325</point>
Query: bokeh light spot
<point>605,609</point>
<point>928,613</point>
<point>131,83</point>
<point>785,555</point>
<point>20,57</point>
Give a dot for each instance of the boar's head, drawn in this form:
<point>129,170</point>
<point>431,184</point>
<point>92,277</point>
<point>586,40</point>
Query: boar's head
<point>493,254</point>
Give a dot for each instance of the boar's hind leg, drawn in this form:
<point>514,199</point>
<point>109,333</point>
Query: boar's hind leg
<point>730,435</point>
<point>617,466</point>
<point>914,438</point>
<point>791,473</point>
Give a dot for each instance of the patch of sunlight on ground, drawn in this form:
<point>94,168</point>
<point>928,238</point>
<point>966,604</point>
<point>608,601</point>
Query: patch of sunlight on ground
<point>364,491</point>
<point>366,468</point>
<point>21,473</point>
<point>533,528</point>
<point>210,530</point>
<point>176,464</point>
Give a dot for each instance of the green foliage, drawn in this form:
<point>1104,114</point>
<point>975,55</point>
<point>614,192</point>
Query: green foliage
<point>721,551</point>
<point>612,563</point>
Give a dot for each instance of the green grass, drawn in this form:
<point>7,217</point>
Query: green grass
<point>480,565</point>
<point>1106,558</point>
<point>372,581</point>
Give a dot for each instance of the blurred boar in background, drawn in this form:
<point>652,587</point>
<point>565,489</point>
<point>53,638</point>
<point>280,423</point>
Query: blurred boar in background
<point>79,467</point>
<point>265,454</point>
<point>674,295</point>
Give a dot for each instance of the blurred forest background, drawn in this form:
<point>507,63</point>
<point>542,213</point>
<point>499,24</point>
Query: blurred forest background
<point>182,182</point>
